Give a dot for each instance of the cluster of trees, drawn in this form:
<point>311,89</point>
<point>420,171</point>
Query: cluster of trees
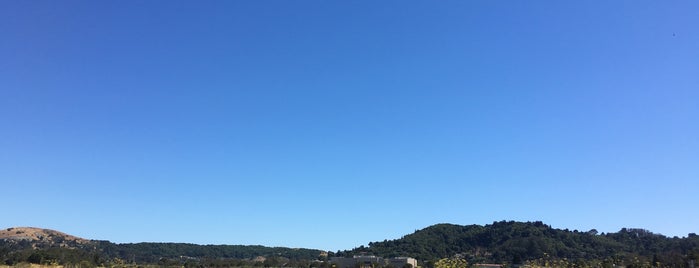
<point>451,263</point>
<point>69,257</point>
<point>105,253</point>
<point>153,252</point>
<point>438,246</point>
<point>537,243</point>
<point>267,262</point>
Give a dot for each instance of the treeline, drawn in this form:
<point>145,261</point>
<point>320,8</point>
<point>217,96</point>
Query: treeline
<point>153,252</point>
<point>535,242</point>
<point>505,242</point>
<point>105,253</point>
<point>16,252</point>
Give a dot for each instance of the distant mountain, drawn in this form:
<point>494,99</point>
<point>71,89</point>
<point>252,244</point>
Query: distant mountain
<point>519,242</point>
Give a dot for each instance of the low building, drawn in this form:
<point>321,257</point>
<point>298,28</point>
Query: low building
<point>401,262</point>
<point>370,261</point>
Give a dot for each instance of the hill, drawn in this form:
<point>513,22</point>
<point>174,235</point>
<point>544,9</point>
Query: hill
<point>41,238</point>
<point>506,242</point>
<point>521,242</point>
<point>45,246</point>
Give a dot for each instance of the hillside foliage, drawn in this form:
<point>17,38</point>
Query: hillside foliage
<point>505,242</point>
<point>105,253</point>
<point>533,242</point>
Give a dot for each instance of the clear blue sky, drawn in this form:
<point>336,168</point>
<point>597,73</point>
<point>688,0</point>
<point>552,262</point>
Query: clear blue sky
<point>330,124</point>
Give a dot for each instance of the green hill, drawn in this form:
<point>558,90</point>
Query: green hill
<point>43,246</point>
<point>505,242</point>
<point>519,242</point>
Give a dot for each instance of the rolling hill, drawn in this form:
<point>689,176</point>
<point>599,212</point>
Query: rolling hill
<point>506,242</point>
<point>45,246</point>
<point>519,242</point>
<point>41,238</point>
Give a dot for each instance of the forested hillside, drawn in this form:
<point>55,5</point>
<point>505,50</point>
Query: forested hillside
<point>510,242</point>
<point>153,252</point>
<point>52,247</point>
<point>522,242</point>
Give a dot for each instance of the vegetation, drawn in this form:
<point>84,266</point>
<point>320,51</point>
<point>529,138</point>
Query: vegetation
<point>538,244</point>
<point>451,263</point>
<point>105,253</point>
<point>438,246</point>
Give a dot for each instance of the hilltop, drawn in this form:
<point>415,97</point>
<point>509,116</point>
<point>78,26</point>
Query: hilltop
<point>526,242</point>
<point>41,238</point>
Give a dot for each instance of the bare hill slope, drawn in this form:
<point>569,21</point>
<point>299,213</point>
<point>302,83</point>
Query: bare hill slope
<point>41,236</point>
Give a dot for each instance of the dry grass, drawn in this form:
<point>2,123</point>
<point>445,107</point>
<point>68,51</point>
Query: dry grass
<point>31,265</point>
<point>36,234</point>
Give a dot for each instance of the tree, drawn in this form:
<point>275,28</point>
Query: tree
<point>35,258</point>
<point>451,263</point>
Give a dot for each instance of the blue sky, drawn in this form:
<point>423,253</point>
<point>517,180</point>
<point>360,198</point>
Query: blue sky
<point>330,124</point>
